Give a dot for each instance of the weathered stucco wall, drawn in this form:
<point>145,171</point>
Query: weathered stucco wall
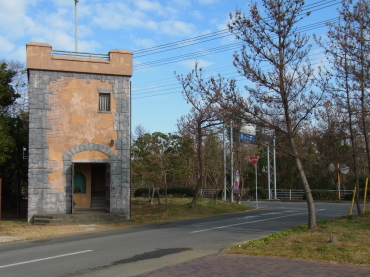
<point>66,127</point>
<point>75,120</point>
<point>90,155</point>
<point>39,56</point>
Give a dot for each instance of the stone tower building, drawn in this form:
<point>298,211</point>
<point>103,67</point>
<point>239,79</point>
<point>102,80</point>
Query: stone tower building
<point>79,140</point>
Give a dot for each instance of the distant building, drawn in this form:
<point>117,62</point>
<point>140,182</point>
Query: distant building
<point>79,140</point>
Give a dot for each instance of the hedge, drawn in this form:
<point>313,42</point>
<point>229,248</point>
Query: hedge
<point>175,191</point>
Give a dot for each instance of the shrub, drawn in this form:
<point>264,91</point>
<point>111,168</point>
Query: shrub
<point>262,193</point>
<point>139,192</point>
<point>360,195</point>
<point>175,191</point>
<point>180,191</point>
<point>323,195</point>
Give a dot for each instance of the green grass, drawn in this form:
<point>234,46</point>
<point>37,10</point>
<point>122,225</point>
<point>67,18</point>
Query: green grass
<point>142,212</point>
<point>352,246</point>
<point>179,208</point>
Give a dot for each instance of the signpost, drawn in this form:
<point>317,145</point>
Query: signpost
<point>0,197</point>
<point>254,161</point>
<point>343,169</point>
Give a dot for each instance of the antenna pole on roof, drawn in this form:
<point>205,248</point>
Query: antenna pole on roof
<point>76,32</point>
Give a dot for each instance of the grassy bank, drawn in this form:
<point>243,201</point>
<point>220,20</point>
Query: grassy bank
<point>351,234</point>
<point>142,212</point>
<point>178,208</point>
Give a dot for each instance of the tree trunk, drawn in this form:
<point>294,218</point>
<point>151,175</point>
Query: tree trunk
<point>165,189</point>
<point>152,197</point>
<point>159,198</point>
<point>200,160</point>
<point>364,111</point>
<point>306,187</point>
<point>349,110</point>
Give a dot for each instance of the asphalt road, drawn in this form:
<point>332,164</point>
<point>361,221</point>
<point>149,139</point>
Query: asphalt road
<point>135,250</point>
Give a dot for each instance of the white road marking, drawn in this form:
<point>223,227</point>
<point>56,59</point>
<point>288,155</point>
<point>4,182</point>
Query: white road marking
<point>248,217</point>
<point>236,224</point>
<point>48,258</point>
<point>272,213</point>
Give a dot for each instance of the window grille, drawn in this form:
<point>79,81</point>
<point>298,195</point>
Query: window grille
<point>104,102</point>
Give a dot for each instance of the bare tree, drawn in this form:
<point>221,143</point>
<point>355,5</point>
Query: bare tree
<point>140,131</point>
<point>280,95</point>
<point>204,114</point>
<point>19,84</point>
<point>347,46</point>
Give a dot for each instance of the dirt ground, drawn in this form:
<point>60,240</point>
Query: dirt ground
<point>142,212</point>
<point>30,231</point>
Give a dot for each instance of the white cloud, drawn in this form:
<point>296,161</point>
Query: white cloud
<point>197,14</point>
<point>64,3</point>
<point>52,21</point>
<point>14,20</point>
<point>115,16</point>
<point>190,64</point>
<point>61,19</point>
<point>146,5</point>
<point>19,54</point>
<point>182,3</point>
<point>176,28</point>
<point>208,2</point>
<point>144,42</point>
<point>89,46</point>
<point>6,45</point>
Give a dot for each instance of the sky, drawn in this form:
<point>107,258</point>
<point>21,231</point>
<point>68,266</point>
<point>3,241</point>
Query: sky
<point>184,30</point>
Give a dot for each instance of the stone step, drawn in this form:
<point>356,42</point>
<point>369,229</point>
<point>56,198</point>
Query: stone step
<point>98,200</point>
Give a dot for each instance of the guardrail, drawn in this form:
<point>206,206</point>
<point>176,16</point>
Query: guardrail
<point>80,55</point>
<point>209,192</point>
<point>298,193</point>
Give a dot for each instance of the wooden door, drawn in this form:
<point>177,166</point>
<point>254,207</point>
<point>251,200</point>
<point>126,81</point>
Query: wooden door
<point>107,188</point>
<point>72,189</point>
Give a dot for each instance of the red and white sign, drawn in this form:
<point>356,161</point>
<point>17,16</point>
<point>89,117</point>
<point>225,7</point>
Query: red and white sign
<point>254,160</point>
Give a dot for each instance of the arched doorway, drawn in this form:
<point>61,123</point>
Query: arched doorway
<point>91,186</point>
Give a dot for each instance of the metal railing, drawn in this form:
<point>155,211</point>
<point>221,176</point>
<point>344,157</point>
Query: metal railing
<point>298,193</point>
<point>209,192</point>
<point>80,55</point>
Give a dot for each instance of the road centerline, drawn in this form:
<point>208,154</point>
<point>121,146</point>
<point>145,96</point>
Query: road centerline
<point>242,223</point>
<point>47,258</point>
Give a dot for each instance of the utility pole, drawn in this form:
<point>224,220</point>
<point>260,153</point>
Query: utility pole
<point>268,171</point>
<point>76,32</point>
<point>224,160</point>
<point>231,164</point>
<point>274,157</point>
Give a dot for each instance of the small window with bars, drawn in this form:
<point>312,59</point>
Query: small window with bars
<point>104,102</point>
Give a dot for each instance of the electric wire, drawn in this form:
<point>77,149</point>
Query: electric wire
<point>237,80</point>
<point>219,49</point>
<point>169,86</point>
<point>215,49</point>
<point>214,35</point>
<point>171,78</point>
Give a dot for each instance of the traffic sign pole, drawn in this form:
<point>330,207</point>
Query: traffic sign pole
<point>256,186</point>
<point>254,161</point>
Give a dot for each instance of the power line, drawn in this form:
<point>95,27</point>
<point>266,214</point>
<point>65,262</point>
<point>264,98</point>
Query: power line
<point>172,85</point>
<point>158,88</point>
<point>166,79</point>
<point>188,56</point>
<point>219,49</point>
<point>214,50</point>
<point>234,77</point>
<point>214,35</point>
